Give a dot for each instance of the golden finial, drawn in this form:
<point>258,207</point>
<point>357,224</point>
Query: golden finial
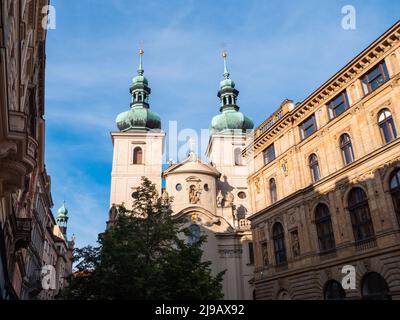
<point>141,51</point>
<point>224,54</point>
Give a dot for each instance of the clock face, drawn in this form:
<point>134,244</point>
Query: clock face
<point>178,187</point>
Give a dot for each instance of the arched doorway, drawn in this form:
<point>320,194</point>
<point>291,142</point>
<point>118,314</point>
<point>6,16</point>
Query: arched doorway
<point>334,291</point>
<point>375,287</point>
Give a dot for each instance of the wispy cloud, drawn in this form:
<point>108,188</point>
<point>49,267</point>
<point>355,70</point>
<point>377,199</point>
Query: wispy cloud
<point>277,50</point>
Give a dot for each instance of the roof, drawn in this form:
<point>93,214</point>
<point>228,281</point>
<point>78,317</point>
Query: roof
<point>192,164</point>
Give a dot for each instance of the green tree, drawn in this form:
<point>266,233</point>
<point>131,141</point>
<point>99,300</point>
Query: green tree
<point>141,256</point>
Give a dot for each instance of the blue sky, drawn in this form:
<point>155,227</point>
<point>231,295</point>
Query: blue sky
<point>277,50</point>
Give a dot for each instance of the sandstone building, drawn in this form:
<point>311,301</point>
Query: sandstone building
<point>325,185</point>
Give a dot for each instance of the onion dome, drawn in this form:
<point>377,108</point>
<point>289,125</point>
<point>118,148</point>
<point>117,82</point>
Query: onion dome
<point>139,117</point>
<point>230,119</point>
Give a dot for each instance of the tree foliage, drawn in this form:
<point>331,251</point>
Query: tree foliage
<point>142,256</point>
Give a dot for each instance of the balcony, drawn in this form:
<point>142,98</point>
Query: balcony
<point>23,232</point>
<point>365,244</point>
<point>244,225</point>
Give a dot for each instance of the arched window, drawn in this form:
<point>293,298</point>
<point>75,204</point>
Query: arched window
<point>326,238</point>
<point>279,244</point>
<point>395,191</point>
<point>347,149</point>
<point>361,221</point>
<point>334,291</point>
<point>137,155</point>
<point>194,235</point>
<point>386,124</point>
<point>238,156</point>
<point>272,190</point>
<point>374,287</point>
<point>314,167</point>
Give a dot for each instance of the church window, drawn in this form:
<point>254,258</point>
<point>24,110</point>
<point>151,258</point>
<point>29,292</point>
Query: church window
<point>178,187</point>
<point>206,187</point>
<point>137,155</point>
<point>242,195</point>
<point>251,253</point>
<point>194,233</point>
<point>238,156</point>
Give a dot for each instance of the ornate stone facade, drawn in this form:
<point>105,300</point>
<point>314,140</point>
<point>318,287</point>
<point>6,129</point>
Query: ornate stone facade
<point>336,200</point>
<point>25,198</point>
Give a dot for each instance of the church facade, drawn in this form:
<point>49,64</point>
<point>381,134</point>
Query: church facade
<point>212,195</point>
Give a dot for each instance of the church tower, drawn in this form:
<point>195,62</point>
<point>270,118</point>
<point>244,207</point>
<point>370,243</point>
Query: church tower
<point>138,145</point>
<point>228,134</point>
<point>62,219</point>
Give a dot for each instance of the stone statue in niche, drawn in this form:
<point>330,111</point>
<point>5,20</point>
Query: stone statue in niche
<point>220,199</point>
<point>164,198</point>
<point>265,254</point>
<point>257,184</point>
<point>194,194</point>
<point>229,199</point>
<point>295,244</point>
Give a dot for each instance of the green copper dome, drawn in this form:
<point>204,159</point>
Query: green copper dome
<point>230,118</point>
<point>62,211</point>
<point>140,80</point>
<point>226,83</point>
<point>139,117</point>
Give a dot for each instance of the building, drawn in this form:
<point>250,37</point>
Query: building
<point>212,194</point>
<point>25,197</point>
<point>22,63</point>
<point>325,181</point>
<point>57,254</point>
<point>42,203</point>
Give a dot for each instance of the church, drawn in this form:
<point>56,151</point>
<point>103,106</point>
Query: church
<point>213,195</point>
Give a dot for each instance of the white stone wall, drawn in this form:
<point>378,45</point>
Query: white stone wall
<point>125,175</point>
